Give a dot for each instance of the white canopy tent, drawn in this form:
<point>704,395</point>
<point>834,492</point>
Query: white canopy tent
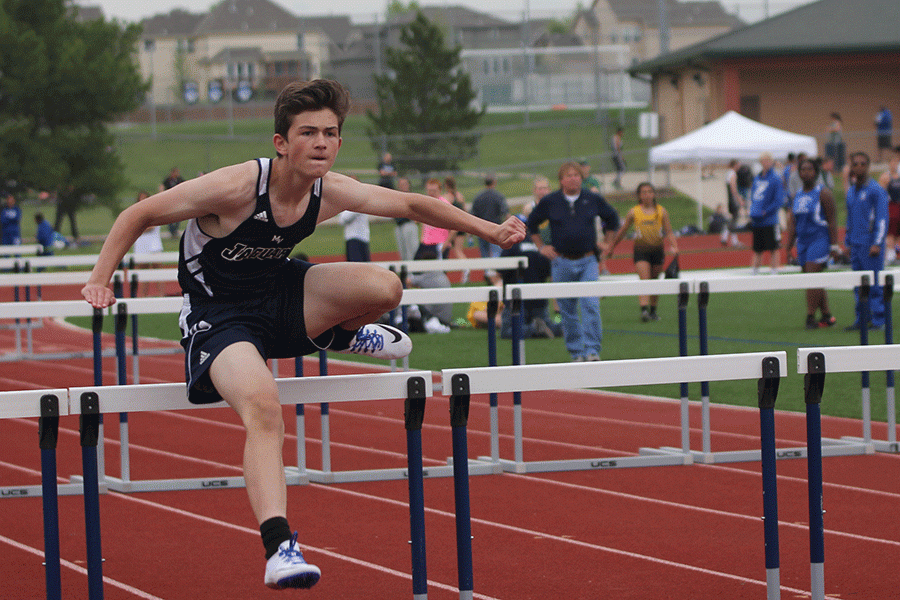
<point>730,136</point>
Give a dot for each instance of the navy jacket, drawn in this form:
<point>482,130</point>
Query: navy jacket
<point>572,229</point>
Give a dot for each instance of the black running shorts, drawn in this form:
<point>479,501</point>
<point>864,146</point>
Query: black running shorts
<point>272,321</point>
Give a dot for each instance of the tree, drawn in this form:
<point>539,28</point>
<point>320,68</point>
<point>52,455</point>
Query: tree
<point>424,102</point>
<point>61,82</point>
<point>398,7</point>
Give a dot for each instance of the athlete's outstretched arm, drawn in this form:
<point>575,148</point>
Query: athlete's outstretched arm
<point>223,192</point>
<point>344,193</point>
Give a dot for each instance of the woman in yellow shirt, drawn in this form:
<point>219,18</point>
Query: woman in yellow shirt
<point>651,225</point>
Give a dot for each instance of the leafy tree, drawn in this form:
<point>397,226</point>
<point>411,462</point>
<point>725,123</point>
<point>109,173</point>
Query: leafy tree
<point>398,7</point>
<point>61,82</point>
<point>424,102</point>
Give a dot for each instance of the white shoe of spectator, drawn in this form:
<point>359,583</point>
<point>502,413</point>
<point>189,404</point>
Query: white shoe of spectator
<point>433,325</point>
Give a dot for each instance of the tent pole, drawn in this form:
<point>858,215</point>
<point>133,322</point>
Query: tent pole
<point>700,195</point>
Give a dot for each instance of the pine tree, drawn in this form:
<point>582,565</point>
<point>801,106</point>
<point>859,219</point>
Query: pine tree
<point>424,102</point>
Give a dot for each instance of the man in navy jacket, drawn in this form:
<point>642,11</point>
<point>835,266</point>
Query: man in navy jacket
<point>573,252</point>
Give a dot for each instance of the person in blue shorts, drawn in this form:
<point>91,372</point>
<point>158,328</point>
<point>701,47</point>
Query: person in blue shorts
<point>867,221</point>
<point>245,301</point>
<point>812,224</point>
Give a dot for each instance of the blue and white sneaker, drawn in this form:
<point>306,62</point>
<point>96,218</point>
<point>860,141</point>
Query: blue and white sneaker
<point>380,341</point>
<point>287,569</point>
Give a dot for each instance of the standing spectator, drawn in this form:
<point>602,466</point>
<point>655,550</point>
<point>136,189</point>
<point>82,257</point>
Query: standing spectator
<point>433,238</point>
<point>149,242</point>
<point>826,172</point>
<point>790,167</point>
<point>884,126</point>
<point>457,241</point>
<point>812,224</point>
<point>490,205</point>
<point>356,236</point>
<point>589,182</point>
<point>793,183</point>
<point>652,225</point>
<point>890,181</point>
<point>11,221</point>
<point>615,145</point>
<point>835,148</point>
<point>744,181</point>
<point>406,230</point>
<point>573,251</point>
<point>173,179</point>
<point>766,199</point>
<point>386,171</point>
<point>737,203</point>
<point>867,218</point>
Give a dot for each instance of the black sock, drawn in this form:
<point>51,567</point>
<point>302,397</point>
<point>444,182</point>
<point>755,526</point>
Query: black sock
<point>274,531</point>
<point>652,310</point>
<point>336,338</point>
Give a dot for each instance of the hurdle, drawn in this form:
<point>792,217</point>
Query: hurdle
<point>814,363</point>
<point>605,289</point>
<point>766,368</point>
<point>707,288</point>
<point>610,374</point>
<point>477,467</point>
<point>413,386</point>
<point>852,359</point>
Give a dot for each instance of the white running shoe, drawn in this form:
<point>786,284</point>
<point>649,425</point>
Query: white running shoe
<point>380,341</point>
<point>287,569</point>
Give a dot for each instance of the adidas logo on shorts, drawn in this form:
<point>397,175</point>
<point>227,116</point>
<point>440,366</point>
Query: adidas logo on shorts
<point>203,356</point>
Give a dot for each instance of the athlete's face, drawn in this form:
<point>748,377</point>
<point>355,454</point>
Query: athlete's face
<point>312,142</point>
<point>646,195</point>
<point>807,172</point>
<point>859,168</point>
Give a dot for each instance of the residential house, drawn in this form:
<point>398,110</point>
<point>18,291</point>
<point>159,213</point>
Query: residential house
<point>635,23</point>
<point>250,48</point>
<point>790,71</point>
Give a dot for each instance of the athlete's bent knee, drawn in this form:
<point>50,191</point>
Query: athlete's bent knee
<point>263,415</point>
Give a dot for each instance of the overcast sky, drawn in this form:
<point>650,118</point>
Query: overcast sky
<point>364,10</point>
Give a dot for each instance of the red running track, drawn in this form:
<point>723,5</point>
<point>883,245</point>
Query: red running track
<point>686,532</point>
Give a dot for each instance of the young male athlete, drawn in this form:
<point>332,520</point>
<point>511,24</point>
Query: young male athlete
<point>246,302</point>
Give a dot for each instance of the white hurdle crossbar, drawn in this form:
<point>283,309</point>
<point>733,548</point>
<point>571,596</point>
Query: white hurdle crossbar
<point>292,391</point>
<point>853,359</point>
<point>610,374</point>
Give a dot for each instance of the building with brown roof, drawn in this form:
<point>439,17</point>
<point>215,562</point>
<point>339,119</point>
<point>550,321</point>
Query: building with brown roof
<point>790,71</point>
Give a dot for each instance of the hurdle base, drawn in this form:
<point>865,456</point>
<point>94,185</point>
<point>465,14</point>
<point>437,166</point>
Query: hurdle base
<point>647,458</point>
<point>292,477</point>
<point>476,467</point>
<point>830,447</point>
<point>877,445</point>
<point>36,491</point>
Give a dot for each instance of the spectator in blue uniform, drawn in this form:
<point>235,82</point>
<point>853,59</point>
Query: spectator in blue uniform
<point>884,126</point>
<point>766,199</point>
<point>11,219</point>
<point>811,222</point>
<point>867,219</point>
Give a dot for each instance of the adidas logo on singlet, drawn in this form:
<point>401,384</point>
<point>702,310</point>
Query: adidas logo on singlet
<point>261,216</point>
